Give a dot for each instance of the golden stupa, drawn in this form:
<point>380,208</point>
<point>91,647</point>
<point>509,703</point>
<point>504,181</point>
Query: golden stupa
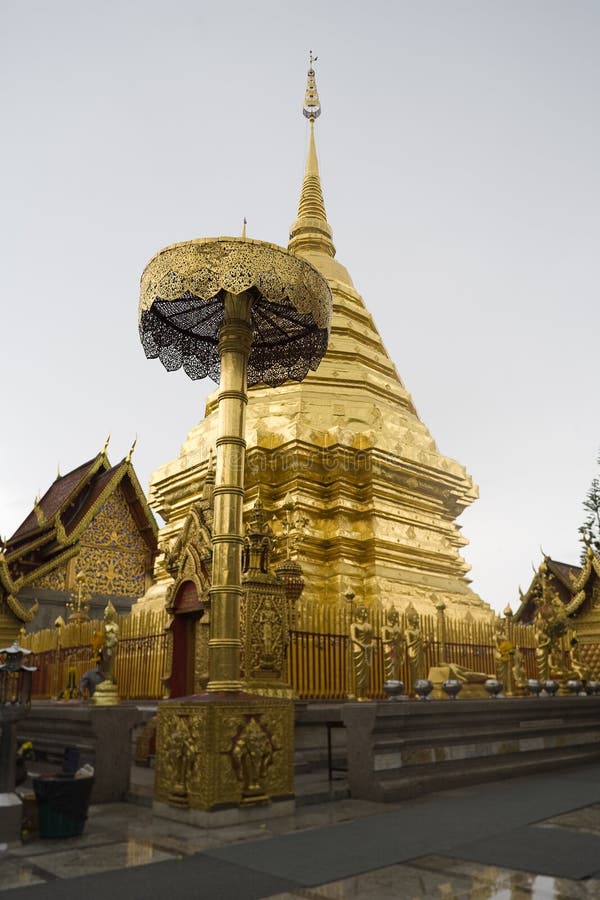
<point>378,500</point>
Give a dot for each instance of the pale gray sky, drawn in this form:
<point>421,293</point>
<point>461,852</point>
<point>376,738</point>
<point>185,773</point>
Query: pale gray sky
<point>459,147</point>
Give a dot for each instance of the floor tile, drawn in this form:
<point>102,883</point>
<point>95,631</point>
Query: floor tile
<point>17,873</point>
<point>586,819</point>
<point>71,863</point>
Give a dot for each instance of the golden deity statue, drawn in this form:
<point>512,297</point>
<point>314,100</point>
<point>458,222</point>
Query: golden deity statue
<point>392,642</point>
<point>503,653</point>
<point>543,643</point>
<point>519,673</point>
<point>577,667</point>
<point>361,642</point>
<point>105,693</point>
<point>416,645</point>
<point>183,752</point>
<point>108,650</point>
<point>252,755</point>
<point>549,627</point>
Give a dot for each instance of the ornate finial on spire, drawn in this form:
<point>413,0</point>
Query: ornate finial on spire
<point>106,443</point>
<point>312,106</point>
<point>311,231</point>
<point>131,449</point>
<point>244,227</point>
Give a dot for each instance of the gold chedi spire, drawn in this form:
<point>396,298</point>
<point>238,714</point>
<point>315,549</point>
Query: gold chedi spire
<point>310,231</point>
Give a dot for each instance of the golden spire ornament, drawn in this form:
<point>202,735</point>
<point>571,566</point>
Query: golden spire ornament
<point>311,230</point>
<point>312,105</point>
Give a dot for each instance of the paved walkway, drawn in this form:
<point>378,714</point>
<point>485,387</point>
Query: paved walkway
<point>525,837</point>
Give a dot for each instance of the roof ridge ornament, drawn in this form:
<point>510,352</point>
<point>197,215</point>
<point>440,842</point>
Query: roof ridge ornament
<point>131,449</point>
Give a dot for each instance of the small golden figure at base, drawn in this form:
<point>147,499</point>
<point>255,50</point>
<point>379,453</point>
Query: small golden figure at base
<point>361,644</point>
<point>106,693</point>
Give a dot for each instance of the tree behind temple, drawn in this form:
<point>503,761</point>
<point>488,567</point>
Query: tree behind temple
<point>590,530</point>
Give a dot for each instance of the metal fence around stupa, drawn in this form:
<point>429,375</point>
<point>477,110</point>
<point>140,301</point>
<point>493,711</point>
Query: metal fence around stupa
<point>63,655</point>
<point>319,665</point>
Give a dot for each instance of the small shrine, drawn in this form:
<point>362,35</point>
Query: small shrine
<point>91,538</point>
<point>565,598</point>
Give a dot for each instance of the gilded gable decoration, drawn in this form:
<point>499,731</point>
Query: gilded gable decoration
<point>265,614</point>
<point>25,615</point>
<point>96,515</point>
<point>570,595</point>
<point>56,580</point>
<point>189,556</point>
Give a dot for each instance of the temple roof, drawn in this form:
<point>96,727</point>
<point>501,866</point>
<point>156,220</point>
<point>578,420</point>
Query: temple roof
<point>566,572</point>
<point>571,584</point>
<point>48,536</point>
<point>56,499</point>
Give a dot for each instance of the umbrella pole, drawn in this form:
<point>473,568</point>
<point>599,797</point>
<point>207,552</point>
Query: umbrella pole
<point>224,646</point>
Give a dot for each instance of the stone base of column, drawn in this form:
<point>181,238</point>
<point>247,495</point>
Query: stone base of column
<point>228,753</point>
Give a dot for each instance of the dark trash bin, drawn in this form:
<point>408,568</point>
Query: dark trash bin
<point>63,803</point>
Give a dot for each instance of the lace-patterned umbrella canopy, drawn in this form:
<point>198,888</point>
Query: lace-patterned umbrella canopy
<point>181,308</point>
<point>243,312</point>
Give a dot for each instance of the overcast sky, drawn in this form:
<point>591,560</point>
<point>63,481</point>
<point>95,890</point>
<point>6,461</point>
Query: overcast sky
<point>459,147</point>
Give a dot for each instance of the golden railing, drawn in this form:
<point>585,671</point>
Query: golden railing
<point>318,658</point>
<point>63,655</point>
<point>318,654</point>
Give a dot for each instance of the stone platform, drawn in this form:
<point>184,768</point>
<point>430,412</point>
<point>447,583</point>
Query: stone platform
<point>381,751</point>
<point>102,735</point>
<point>402,749</point>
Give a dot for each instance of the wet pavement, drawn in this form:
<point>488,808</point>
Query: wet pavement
<point>454,844</point>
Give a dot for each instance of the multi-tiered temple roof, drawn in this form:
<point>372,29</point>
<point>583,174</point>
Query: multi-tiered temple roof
<point>93,520</point>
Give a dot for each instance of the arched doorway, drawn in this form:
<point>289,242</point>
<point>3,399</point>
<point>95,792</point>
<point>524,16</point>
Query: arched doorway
<point>187,610</point>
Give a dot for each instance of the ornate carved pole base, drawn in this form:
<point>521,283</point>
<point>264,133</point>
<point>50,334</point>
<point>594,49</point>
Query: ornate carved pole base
<point>218,756</point>
<point>226,750</point>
